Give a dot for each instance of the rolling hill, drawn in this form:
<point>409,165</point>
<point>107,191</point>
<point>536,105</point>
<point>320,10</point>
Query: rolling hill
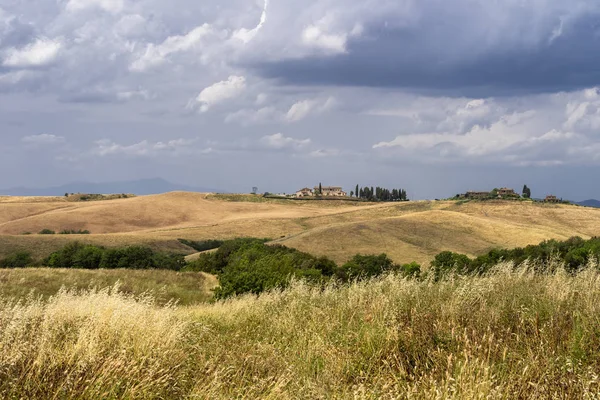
<point>413,231</point>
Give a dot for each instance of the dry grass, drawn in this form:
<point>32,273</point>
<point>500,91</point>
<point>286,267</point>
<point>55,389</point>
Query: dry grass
<point>413,231</point>
<point>510,335</point>
<point>185,288</point>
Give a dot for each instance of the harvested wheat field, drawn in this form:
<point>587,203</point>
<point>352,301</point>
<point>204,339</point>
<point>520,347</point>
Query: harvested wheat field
<point>412,231</point>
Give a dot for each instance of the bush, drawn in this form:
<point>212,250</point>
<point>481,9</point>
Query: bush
<point>74,232</point>
<point>412,270</point>
<point>260,267</point>
<point>77,255</point>
<point>21,259</point>
<point>365,266</point>
<point>47,232</point>
<point>575,253</point>
<point>448,262</point>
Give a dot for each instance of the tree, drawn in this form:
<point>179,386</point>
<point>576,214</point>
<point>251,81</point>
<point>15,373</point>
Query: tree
<point>356,191</point>
<point>351,194</point>
<point>320,189</point>
<point>526,192</point>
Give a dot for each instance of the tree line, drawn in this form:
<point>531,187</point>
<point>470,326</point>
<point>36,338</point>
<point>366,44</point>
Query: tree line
<point>379,194</point>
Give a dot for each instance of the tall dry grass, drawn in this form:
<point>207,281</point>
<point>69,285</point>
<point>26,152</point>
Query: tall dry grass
<point>510,335</point>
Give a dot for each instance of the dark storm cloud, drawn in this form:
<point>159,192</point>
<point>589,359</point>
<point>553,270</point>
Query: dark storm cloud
<point>444,57</point>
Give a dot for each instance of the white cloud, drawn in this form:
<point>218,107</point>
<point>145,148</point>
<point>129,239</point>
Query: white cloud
<point>158,54</point>
<point>280,142</point>
<point>44,138</point>
<point>324,153</point>
<point>302,109</point>
<point>246,35</point>
<point>111,6</point>
<point>218,93</point>
<point>314,36</point>
<point>42,51</point>
<point>249,117</point>
<point>135,94</point>
<point>107,147</point>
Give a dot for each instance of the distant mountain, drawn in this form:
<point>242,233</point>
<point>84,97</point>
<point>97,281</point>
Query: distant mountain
<point>139,187</point>
<point>590,203</point>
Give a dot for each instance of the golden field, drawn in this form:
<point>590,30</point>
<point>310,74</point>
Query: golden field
<point>509,335</point>
<point>412,231</point>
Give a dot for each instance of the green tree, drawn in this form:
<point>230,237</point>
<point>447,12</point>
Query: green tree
<point>356,191</point>
<point>365,266</point>
<point>21,259</point>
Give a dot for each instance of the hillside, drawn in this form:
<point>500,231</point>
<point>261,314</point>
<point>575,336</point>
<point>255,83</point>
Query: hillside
<point>406,231</point>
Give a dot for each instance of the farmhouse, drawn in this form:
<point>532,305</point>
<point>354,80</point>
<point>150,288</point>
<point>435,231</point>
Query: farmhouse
<point>477,195</point>
<point>506,192</point>
<point>306,192</point>
<point>551,199</point>
<point>335,191</point>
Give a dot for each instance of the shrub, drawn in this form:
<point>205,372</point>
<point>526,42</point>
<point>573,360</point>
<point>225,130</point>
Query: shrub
<point>87,257</point>
<point>261,267</point>
<point>77,255</point>
<point>412,270</point>
<point>21,259</point>
<point>74,232</point>
<point>47,232</point>
<point>365,266</point>
<point>448,262</point>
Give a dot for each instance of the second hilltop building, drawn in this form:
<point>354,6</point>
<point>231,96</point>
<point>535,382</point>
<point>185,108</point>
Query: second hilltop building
<point>326,191</point>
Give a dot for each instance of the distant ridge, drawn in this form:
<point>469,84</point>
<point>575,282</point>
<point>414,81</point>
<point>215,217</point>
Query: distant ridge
<point>138,187</point>
<point>590,203</point>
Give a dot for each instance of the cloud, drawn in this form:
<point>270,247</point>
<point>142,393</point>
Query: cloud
<point>44,138</point>
<point>315,37</point>
<point>144,148</point>
<point>246,35</point>
<point>280,142</point>
<point>418,48</point>
<point>545,136</point>
<point>218,93</point>
<point>41,52</point>
<point>302,109</point>
<point>111,6</point>
<point>158,54</point>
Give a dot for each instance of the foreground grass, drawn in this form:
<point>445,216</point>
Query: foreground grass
<point>508,335</point>
<point>165,286</point>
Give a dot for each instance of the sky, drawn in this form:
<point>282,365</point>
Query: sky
<point>434,96</point>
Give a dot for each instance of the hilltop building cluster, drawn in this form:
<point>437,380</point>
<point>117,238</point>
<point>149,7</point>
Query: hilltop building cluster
<point>504,193</point>
<point>327,191</point>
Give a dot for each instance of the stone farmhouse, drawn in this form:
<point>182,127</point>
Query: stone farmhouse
<point>502,193</point>
<point>335,191</point>
<point>507,192</point>
<point>327,191</point>
<point>551,199</point>
<point>306,192</point>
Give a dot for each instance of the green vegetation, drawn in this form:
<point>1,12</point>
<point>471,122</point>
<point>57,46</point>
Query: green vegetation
<point>85,256</point>
<point>22,259</point>
<point>251,266</point>
<point>380,194</point>
<point>47,232</point>
<point>96,197</point>
<point>74,232</point>
<point>574,254</point>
